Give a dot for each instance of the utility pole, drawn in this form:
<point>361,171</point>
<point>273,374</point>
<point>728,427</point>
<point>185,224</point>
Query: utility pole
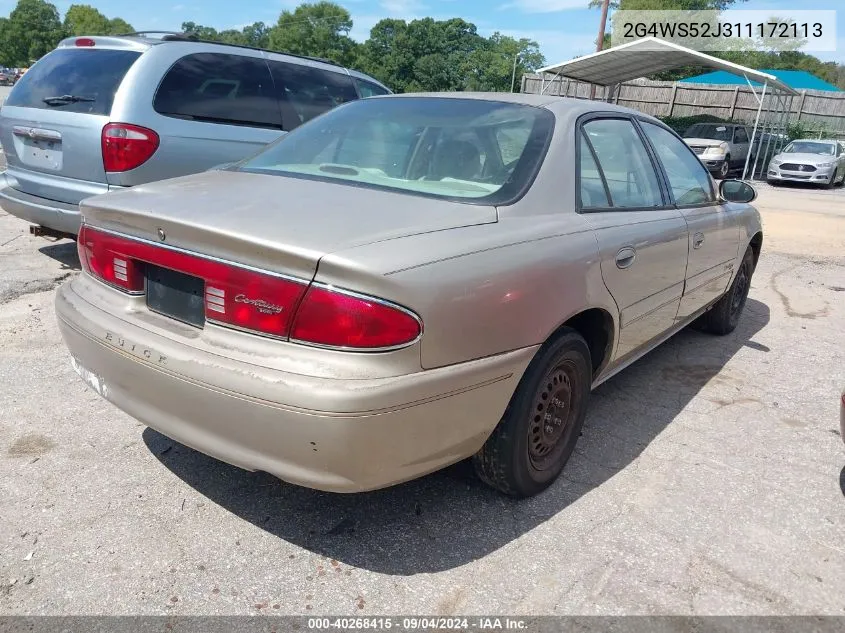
<point>513,74</point>
<point>600,42</point>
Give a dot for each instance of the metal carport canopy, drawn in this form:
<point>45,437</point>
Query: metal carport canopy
<point>648,56</point>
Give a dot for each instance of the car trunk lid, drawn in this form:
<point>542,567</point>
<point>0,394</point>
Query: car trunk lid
<point>275,223</point>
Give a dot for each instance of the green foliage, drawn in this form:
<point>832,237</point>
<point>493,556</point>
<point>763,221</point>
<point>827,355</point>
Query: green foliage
<point>682,123</point>
<point>83,19</point>
<point>319,30</point>
<point>32,29</point>
<point>430,55</point>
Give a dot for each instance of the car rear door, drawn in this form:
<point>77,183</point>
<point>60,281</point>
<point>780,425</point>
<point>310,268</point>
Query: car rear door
<point>642,238</point>
<point>52,144</point>
<point>714,227</point>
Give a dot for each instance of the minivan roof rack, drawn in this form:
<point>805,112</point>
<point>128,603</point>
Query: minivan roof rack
<point>175,36</point>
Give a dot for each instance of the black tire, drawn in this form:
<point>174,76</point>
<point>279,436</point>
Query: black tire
<point>533,441</point>
<point>723,317</point>
<point>725,168</point>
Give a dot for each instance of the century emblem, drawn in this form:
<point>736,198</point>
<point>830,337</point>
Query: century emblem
<point>263,306</point>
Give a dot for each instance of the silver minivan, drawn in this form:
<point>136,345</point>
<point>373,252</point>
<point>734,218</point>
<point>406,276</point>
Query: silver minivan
<point>101,113</point>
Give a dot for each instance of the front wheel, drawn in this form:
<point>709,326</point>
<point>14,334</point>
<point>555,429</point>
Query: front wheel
<point>725,168</point>
<point>723,317</point>
<point>537,434</point>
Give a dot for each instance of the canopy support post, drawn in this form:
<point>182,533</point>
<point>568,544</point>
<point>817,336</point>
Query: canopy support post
<point>756,122</point>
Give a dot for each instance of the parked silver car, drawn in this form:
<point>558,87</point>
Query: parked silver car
<point>808,160</point>
<point>408,281</point>
<point>103,113</point>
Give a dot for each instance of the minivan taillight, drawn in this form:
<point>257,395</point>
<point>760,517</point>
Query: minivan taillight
<point>127,146</point>
<point>255,301</point>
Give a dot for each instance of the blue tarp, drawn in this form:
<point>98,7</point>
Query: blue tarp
<point>797,79</point>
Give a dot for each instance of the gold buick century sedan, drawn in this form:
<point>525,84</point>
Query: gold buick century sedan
<point>405,282</point>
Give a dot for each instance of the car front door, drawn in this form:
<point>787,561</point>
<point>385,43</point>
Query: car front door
<point>713,226</point>
<point>642,239</point>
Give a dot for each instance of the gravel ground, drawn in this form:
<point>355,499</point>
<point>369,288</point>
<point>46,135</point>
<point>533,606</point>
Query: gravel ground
<point>709,480</point>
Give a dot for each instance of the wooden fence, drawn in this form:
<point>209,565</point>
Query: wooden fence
<point>819,111</point>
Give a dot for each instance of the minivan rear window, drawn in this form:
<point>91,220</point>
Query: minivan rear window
<point>92,76</point>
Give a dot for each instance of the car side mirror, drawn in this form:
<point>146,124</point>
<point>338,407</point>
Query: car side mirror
<point>736,191</point>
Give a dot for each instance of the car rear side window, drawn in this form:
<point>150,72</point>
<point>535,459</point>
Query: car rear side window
<point>87,77</point>
<point>369,89</point>
<point>219,88</point>
<point>306,91</point>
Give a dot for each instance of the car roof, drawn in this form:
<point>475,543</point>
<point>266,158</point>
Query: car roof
<point>141,41</point>
<point>814,140</point>
<point>560,105</point>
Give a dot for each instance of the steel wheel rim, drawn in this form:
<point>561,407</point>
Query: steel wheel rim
<point>724,169</point>
<point>553,414</point>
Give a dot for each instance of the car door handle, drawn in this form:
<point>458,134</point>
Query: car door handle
<point>697,240</point>
<point>625,257</point>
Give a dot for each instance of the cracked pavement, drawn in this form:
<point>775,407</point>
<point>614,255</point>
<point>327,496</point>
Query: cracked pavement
<point>709,480</point>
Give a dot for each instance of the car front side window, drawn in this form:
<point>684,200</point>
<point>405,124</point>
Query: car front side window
<point>688,179</point>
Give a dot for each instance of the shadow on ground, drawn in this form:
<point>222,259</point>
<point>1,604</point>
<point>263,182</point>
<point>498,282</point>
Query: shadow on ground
<point>449,519</point>
<point>64,252</point>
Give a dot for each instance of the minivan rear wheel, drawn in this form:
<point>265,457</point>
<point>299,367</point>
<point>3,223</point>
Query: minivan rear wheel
<point>537,434</point>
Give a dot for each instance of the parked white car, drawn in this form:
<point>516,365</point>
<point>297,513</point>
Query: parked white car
<point>808,160</point>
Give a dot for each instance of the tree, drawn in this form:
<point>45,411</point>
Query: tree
<point>202,32</point>
<point>32,30</point>
<point>320,30</point>
<point>256,34</point>
<point>119,26</point>
<point>83,19</point>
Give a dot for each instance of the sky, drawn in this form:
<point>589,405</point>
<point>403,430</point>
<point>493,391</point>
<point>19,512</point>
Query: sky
<point>563,28</point>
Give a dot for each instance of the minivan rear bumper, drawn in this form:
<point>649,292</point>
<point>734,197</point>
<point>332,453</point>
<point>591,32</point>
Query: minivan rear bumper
<point>59,216</point>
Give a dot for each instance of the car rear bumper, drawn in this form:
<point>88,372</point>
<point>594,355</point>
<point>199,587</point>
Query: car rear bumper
<point>371,433</point>
<point>58,216</point>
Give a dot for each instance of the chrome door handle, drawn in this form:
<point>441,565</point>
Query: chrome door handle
<point>625,257</point>
<point>697,240</point>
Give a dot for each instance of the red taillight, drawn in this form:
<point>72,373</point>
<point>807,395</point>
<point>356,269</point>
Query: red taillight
<point>339,319</point>
<point>252,300</point>
<point>84,41</point>
<point>127,146</point>
<point>108,258</point>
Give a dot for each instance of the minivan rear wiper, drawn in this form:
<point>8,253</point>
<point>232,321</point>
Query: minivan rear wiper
<point>65,99</point>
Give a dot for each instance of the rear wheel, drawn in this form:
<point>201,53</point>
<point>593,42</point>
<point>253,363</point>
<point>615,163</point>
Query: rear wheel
<point>723,317</point>
<point>537,434</point>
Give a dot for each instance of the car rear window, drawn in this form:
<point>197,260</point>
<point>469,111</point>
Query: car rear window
<point>468,150</point>
<point>92,74</point>
<point>219,88</point>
